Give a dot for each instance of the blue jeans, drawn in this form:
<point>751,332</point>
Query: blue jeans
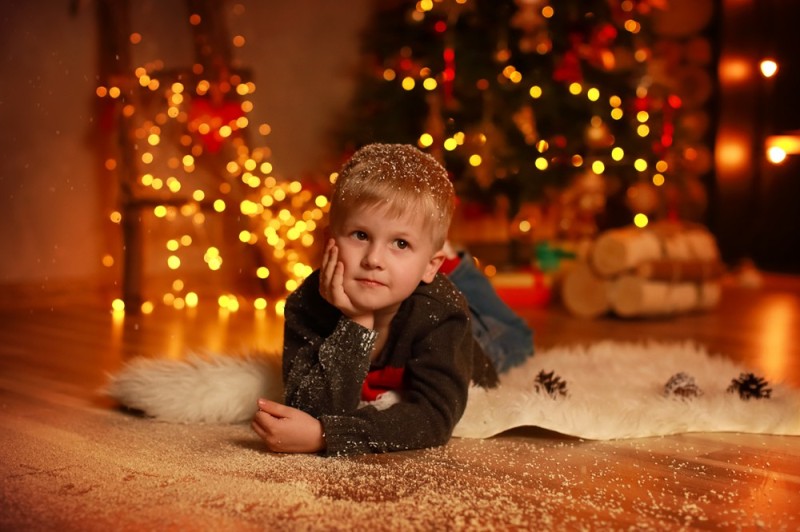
<point>504,336</point>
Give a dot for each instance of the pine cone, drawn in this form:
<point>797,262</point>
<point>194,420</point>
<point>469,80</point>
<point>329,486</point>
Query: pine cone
<point>749,385</point>
<point>683,386</point>
<point>551,384</point>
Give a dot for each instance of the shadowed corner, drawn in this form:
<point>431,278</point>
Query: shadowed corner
<point>539,433</point>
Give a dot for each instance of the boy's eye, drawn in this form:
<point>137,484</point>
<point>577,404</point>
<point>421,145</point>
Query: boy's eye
<point>401,244</point>
<point>359,235</point>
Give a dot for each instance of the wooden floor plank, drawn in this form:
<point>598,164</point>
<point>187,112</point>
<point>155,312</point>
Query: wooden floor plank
<point>69,460</point>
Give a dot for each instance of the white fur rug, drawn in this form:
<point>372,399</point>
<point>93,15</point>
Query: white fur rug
<point>211,388</point>
<point>616,390</point>
<point>612,391</point>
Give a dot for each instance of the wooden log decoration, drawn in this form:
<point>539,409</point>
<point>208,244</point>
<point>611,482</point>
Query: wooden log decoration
<point>585,293</point>
<point>683,270</point>
<point>680,241</point>
<point>633,296</point>
<point>702,244</point>
<point>709,295</point>
<point>666,269</point>
<point>619,250</point>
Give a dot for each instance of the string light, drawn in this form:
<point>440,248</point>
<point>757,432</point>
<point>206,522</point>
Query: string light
<point>776,154</point>
<point>768,68</point>
<point>281,217</point>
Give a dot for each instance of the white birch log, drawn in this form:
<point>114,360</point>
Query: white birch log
<point>703,244</point>
<point>684,241</point>
<point>619,250</point>
<point>584,293</point>
<point>633,296</point>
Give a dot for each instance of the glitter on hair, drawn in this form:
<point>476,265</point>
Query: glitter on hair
<point>401,177</point>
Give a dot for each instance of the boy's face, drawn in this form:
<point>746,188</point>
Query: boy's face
<point>384,257</point>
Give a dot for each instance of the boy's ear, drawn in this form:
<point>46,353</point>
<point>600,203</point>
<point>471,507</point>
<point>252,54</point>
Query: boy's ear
<point>433,266</point>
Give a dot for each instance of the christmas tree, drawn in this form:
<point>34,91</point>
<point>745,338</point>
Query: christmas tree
<point>553,110</point>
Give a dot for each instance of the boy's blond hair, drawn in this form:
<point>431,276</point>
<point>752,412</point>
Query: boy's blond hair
<point>401,177</point>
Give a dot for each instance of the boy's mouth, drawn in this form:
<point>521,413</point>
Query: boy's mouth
<point>369,282</point>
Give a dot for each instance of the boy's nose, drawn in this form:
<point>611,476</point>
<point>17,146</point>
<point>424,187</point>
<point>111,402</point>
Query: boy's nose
<point>373,258</point>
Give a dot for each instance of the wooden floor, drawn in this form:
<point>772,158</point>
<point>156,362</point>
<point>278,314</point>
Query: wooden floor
<point>69,460</point>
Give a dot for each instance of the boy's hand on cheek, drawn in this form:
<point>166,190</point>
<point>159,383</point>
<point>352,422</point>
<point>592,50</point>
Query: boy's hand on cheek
<point>331,287</point>
<point>331,280</point>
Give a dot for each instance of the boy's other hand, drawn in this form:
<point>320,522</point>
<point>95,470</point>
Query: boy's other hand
<point>287,430</point>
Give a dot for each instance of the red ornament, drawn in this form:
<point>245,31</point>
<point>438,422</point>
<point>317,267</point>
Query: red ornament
<point>406,64</point>
<point>569,68</point>
<point>603,37</point>
<point>641,104</point>
<point>449,74</point>
<point>206,117</point>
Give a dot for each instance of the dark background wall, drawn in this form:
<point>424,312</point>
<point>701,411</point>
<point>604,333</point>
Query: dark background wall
<point>755,211</point>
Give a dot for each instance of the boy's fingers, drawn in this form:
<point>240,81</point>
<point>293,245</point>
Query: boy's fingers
<point>274,409</point>
<point>330,250</point>
<point>333,263</point>
<point>326,257</point>
<point>267,435</point>
<point>338,277</point>
<point>327,271</point>
<point>258,430</point>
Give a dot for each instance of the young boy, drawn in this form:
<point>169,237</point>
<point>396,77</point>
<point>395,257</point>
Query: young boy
<point>378,349</point>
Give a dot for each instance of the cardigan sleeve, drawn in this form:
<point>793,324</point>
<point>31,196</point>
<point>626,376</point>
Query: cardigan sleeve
<point>323,369</point>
